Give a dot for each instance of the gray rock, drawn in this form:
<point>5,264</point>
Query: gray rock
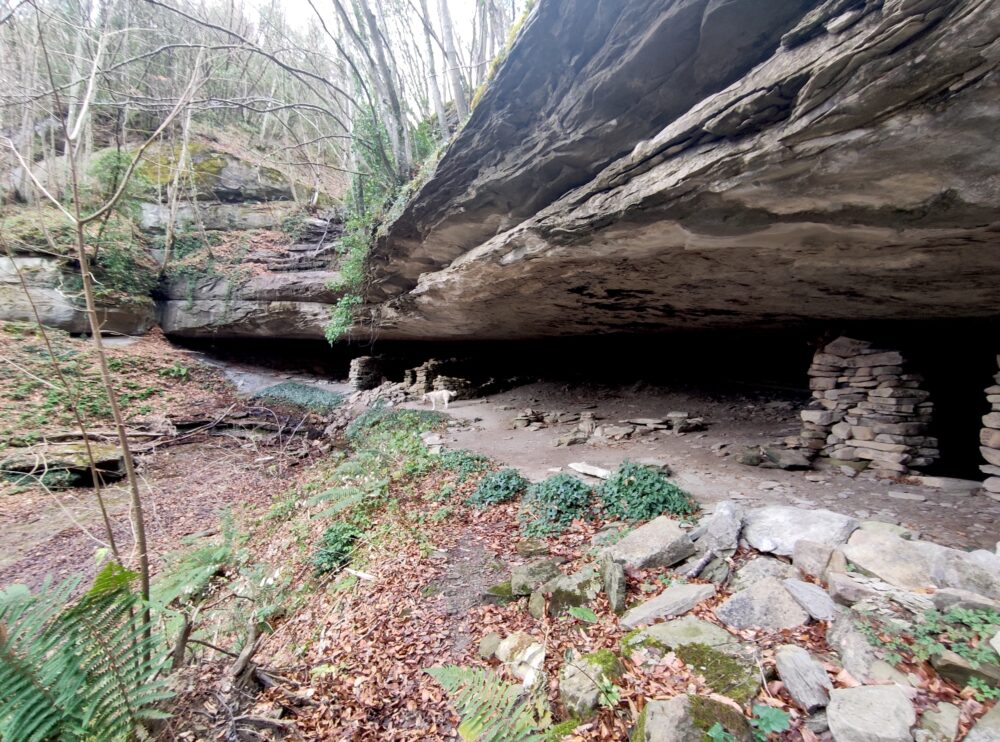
<point>940,725</point>
<point>890,528</point>
<point>787,458</point>
<point>580,682</point>
<point>762,568</point>
<point>690,630</point>
<point>614,585</point>
<point>526,577</point>
<point>813,599</point>
<point>811,558</point>
<point>674,601</point>
<point>721,530</point>
<point>855,651</point>
<point>987,729</point>
<point>870,713</point>
<point>567,591</point>
<point>776,528</point>
<point>767,605</point>
<point>488,645</point>
<point>659,543</point>
<point>805,679</point>
<point>959,670</point>
<point>687,718</point>
<point>531,547</point>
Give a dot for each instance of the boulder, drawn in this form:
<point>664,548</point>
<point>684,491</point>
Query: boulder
<point>580,682</point>
<point>686,630</point>
<point>855,651</point>
<point>767,605</point>
<point>959,670</point>
<point>526,577</point>
<point>659,543</point>
<point>720,532</point>
<point>674,601</point>
<point>732,674</point>
<point>987,729</point>
<point>567,591</point>
<point>776,528</point>
<point>938,725</point>
<point>786,458</point>
<point>762,568</point>
<point>870,713</point>
<point>805,679</point>
<point>813,599</point>
<point>614,585</point>
<point>688,718</point>
<point>489,644</point>
<point>811,557</point>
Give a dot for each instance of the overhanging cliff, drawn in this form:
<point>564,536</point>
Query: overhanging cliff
<point>640,166</point>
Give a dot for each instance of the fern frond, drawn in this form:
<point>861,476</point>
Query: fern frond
<point>491,710</point>
<point>83,669</point>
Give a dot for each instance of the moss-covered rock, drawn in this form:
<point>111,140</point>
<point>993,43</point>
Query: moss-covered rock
<point>501,594</point>
<point>687,719</point>
<point>582,681</point>
<point>726,674</point>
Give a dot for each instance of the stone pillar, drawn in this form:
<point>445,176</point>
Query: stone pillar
<point>365,373</point>
<point>866,407</point>
<point>989,439</point>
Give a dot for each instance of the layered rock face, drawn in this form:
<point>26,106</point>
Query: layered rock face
<point>641,166</point>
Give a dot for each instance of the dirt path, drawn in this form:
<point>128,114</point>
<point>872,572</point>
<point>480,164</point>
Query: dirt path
<point>704,462</point>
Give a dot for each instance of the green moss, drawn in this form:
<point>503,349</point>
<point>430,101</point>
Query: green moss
<point>561,729</point>
<point>638,639</point>
<point>607,661</point>
<point>723,673</point>
<point>705,713</point>
<point>502,593</point>
<point>639,730</point>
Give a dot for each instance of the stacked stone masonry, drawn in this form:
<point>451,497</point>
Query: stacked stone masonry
<point>867,407</point>
<point>365,373</point>
<point>989,437</point>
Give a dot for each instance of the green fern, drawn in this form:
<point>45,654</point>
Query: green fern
<point>491,710</point>
<point>83,669</point>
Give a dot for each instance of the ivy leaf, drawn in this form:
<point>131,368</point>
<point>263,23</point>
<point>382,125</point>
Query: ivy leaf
<point>582,613</point>
<point>768,719</point>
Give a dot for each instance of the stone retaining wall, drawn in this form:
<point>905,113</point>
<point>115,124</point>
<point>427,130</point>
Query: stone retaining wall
<point>867,406</point>
<point>989,437</point>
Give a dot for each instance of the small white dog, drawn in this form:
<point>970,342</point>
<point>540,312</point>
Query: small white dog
<point>443,396</point>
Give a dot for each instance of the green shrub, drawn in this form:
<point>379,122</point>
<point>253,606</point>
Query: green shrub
<point>341,317</point>
<point>465,463</point>
<point>552,504</point>
<point>964,631</point>
<point>380,417</point>
<point>637,492</point>
<point>499,486</point>
<point>335,547</point>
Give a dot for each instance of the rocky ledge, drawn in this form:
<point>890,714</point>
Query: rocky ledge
<point>712,163</point>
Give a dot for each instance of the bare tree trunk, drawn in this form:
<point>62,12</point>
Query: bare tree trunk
<point>433,81</point>
<point>451,61</point>
<point>375,36</point>
<point>174,192</point>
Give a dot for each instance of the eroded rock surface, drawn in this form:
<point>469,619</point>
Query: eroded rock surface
<point>712,163</point>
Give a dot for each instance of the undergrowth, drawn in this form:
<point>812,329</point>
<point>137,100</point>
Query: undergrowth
<point>964,631</point>
<point>636,492</point>
<point>498,487</point>
<point>552,504</point>
<point>305,396</point>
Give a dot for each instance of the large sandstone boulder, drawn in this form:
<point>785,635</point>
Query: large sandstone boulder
<point>872,713</point>
<point>767,605</point>
<point>776,529</point>
<point>660,543</point>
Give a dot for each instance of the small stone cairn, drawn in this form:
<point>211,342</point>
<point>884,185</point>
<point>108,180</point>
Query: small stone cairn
<point>989,438</point>
<point>866,406</point>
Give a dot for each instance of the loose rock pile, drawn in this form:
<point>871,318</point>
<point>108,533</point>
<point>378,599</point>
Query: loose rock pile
<point>365,373</point>
<point>989,437</point>
<point>841,573</point>
<point>866,407</point>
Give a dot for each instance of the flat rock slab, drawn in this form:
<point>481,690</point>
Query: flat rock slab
<point>805,679</point>
<point>870,713</point>
<point>721,530</point>
<point>813,599</point>
<point>776,528</point>
<point>762,568</point>
<point>767,605</point>
<point>674,601</point>
<point>688,719</point>
<point>690,630</point>
<point>922,564</point>
<point>659,543</point>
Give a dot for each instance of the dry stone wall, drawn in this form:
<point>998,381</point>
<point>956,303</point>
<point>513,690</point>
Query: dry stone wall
<point>989,437</point>
<point>867,407</point>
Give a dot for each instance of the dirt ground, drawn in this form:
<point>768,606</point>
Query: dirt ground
<point>704,462</point>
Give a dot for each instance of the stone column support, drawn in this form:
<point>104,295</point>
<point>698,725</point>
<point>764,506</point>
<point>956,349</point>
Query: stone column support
<point>989,439</point>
